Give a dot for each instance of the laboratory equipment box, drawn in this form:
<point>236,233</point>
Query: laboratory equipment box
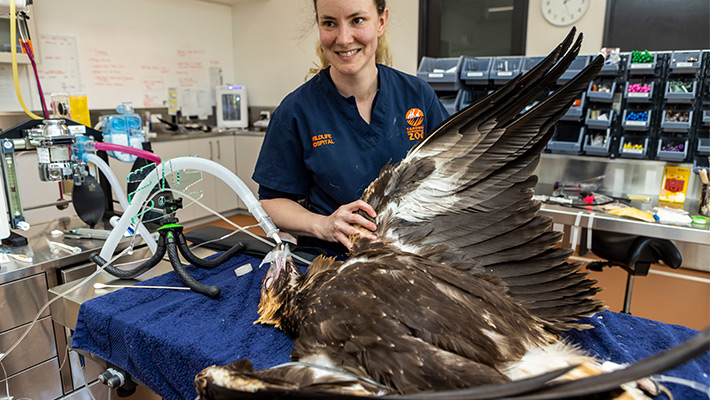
<point>599,118</point>
<point>574,68</point>
<point>638,91</point>
<point>597,142</point>
<point>680,91</point>
<point>685,62</point>
<point>567,139</point>
<point>505,69</point>
<point>633,146</point>
<point>672,149</point>
<point>576,112</point>
<point>638,120</point>
<point>601,91</point>
<point>476,71</point>
<point>676,121</point>
<point>442,74</point>
<point>642,63</point>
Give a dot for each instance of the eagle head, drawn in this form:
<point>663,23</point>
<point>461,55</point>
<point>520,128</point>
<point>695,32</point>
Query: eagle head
<point>278,287</point>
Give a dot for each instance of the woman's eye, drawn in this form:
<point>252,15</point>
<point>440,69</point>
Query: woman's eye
<point>358,20</point>
<point>328,24</point>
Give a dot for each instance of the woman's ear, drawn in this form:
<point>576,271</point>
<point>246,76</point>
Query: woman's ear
<point>382,22</point>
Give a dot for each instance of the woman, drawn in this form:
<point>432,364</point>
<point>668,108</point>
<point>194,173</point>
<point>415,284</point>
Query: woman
<point>329,138</point>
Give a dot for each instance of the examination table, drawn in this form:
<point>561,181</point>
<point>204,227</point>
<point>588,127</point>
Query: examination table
<point>165,337</point>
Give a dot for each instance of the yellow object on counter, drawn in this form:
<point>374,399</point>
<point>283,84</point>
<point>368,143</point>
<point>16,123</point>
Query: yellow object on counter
<point>623,210</point>
<point>674,185</point>
<point>79,106</point>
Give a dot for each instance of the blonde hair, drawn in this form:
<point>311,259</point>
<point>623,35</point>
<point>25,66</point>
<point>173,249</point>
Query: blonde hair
<point>382,54</point>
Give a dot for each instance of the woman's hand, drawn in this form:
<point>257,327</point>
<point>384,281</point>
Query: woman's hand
<point>345,221</point>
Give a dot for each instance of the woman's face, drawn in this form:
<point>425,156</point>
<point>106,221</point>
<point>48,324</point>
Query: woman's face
<point>348,33</point>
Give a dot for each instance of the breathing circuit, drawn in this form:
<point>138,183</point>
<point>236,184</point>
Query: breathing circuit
<point>171,238</point>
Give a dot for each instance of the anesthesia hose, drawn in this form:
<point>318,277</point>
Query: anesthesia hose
<point>116,187</point>
<point>173,166</point>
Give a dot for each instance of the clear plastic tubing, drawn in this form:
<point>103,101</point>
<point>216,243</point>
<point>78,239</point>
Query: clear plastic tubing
<point>129,150</point>
<point>122,200</point>
<point>194,163</point>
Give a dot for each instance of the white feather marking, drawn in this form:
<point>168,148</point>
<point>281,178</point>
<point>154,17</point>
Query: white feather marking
<point>350,262</point>
<point>542,359</point>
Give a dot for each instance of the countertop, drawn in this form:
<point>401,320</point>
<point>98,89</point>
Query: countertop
<point>43,259</point>
<point>184,134</point>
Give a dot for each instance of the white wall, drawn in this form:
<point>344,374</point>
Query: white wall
<point>274,41</point>
<point>542,37</point>
<point>274,44</point>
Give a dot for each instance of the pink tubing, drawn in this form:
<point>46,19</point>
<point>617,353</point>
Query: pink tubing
<point>127,149</point>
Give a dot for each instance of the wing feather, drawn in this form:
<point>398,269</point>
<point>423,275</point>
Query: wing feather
<point>463,195</point>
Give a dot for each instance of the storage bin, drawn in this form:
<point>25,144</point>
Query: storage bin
<point>505,69</point>
<point>597,142</point>
<point>530,63</point>
<point>636,124</point>
<point>576,112</point>
<point>442,74</point>
<point>676,121</point>
<point>476,71</point>
<point>601,91</point>
<point>676,96</point>
<point>593,115</point>
<point>633,146</point>
<point>685,62</point>
<point>642,68</point>
<point>706,117</point>
<point>567,139</point>
<point>672,149</point>
<point>632,96</point>
<point>574,68</point>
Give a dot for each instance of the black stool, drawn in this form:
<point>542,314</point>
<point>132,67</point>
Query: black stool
<point>633,253</point>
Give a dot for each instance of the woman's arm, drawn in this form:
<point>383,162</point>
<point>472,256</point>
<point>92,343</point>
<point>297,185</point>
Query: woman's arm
<point>291,217</point>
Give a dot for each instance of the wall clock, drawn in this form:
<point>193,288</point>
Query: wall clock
<point>564,12</point>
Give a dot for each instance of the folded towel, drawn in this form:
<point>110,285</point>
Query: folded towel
<point>165,337</point>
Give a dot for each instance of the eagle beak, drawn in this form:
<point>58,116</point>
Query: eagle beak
<point>277,259</point>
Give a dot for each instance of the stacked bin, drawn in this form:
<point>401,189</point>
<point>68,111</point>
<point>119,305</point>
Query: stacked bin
<point>680,98</point>
<point>443,75</point>
<point>639,104</point>
<point>701,157</point>
<point>572,131</point>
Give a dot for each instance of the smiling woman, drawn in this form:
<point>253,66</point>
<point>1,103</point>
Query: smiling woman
<point>330,137</point>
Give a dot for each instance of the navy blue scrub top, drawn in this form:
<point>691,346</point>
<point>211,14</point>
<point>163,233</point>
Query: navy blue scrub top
<point>318,146</point>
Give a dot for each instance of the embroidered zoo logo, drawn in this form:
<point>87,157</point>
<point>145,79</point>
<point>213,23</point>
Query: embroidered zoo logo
<point>415,119</point>
<point>321,140</point>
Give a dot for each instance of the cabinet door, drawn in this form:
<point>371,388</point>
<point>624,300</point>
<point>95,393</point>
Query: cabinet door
<point>247,151</point>
<point>224,154</point>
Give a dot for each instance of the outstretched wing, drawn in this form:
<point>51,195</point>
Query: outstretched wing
<point>463,196</point>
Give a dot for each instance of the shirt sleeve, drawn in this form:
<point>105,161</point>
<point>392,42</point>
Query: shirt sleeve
<point>281,166</point>
<point>437,112</point>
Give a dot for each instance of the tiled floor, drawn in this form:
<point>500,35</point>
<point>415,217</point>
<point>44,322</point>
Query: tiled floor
<point>679,297</point>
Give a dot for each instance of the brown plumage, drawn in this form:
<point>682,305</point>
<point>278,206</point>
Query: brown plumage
<point>465,283</point>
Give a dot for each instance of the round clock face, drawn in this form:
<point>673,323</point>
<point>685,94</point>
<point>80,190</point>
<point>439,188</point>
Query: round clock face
<point>564,12</point>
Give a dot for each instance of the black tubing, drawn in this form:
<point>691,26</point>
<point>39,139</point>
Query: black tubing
<point>132,273</point>
<point>187,279</point>
<point>206,264</point>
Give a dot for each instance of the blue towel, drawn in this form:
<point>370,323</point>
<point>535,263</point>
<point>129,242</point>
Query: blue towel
<point>165,337</point>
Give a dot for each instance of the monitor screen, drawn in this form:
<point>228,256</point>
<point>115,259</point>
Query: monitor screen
<point>232,110</point>
<point>231,106</point>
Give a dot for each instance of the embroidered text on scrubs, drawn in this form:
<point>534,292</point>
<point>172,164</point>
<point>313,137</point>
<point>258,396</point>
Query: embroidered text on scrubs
<point>320,140</point>
<point>415,118</point>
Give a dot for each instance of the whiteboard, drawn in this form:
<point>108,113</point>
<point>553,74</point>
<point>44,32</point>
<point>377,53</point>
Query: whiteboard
<point>131,50</point>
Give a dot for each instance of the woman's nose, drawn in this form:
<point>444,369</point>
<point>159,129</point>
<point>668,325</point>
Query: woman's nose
<point>345,35</point>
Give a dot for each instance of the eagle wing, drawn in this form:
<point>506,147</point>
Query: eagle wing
<point>463,196</point>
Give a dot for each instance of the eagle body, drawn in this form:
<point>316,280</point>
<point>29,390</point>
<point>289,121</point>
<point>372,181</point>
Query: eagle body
<point>409,323</point>
<point>466,286</point>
